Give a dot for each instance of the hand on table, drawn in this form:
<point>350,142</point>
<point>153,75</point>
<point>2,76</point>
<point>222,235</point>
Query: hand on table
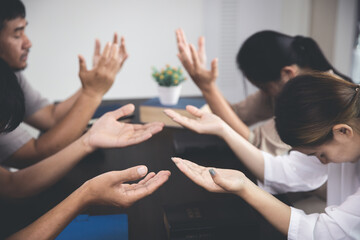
<point>213,179</point>
<point>195,61</point>
<point>111,188</point>
<point>106,65</point>
<point>205,122</point>
<point>107,132</point>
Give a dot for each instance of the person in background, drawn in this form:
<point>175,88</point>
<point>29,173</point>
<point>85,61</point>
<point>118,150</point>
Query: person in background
<point>61,123</point>
<point>109,188</point>
<point>319,116</point>
<point>268,59</point>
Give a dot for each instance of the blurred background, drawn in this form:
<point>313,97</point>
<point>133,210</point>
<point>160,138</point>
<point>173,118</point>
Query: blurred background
<point>60,30</point>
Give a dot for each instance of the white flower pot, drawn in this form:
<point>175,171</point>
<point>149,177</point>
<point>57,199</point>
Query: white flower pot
<point>169,95</point>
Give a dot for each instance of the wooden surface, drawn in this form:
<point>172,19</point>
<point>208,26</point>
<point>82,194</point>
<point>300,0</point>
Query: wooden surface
<point>145,216</point>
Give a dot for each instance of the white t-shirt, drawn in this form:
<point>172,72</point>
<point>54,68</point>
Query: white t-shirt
<point>299,172</point>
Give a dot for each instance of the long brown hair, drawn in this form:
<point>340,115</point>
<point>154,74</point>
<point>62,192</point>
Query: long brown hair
<point>310,105</point>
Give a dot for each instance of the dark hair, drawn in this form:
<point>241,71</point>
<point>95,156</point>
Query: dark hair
<point>265,53</point>
<point>310,105</point>
<point>12,103</point>
<point>9,10</point>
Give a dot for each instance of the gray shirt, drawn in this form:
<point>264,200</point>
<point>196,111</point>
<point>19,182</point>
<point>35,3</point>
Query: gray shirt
<point>11,142</point>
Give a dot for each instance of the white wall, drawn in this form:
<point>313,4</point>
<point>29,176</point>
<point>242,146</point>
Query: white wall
<point>228,23</point>
<point>60,30</point>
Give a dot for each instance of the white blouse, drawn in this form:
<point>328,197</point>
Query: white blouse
<point>299,172</point>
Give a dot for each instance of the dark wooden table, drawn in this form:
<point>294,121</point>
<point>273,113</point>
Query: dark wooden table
<point>145,216</point>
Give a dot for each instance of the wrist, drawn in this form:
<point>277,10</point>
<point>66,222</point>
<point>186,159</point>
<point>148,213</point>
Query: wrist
<point>92,96</point>
<point>227,132</point>
<point>85,142</point>
<point>247,191</point>
<point>88,194</point>
<point>208,88</point>
<point>81,197</point>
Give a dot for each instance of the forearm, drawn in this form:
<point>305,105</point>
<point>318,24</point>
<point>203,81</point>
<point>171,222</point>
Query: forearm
<point>245,151</point>
<point>62,108</point>
<point>275,211</point>
<point>36,178</point>
<point>221,108</point>
<point>53,222</point>
<point>61,135</point>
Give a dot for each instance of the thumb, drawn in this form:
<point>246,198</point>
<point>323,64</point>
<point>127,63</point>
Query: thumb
<point>194,111</point>
<point>132,174</point>
<point>123,111</point>
<point>218,180</point>
<point>82,64</point>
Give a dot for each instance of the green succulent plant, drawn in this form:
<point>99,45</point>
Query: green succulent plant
<point>168,76</point>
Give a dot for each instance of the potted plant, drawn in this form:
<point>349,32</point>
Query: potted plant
<point>169,82</point>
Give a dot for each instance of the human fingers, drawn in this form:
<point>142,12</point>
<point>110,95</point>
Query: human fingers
<point>82,64</point>
<point>97,47</point>
<point>106,52</point>
<point>130,174</point>
<point>123,111</point>
<point>154,127</point>
<point>201,50</point>
<point>122,48</point>
<point>194,111</point>
<point>135,138</point>
<point>115,38</point>
<point>147,178</point>
<point>214,68</point>
<point>114,51</point>
<point>194,56</point>
<point>182,120</point>
<point>227,180</point>
<point>142,190</point>
<point>188,169</point>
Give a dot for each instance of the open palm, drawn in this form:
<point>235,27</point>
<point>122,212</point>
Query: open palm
<point>107,132</point>
<point>205,122</point>
<point>111,188</point>
<point>225,180</point>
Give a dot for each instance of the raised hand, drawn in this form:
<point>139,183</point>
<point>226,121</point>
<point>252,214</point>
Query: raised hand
<point>97,81</point>
<point>204,123</point>
<point>195,61</point>
<point>213,179</point>
<point>107,132</point>
<point>122,49</point>
<point>111,188</point>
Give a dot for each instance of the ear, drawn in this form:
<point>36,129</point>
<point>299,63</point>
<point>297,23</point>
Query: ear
<point>342,132</point>
<point>289,72</point>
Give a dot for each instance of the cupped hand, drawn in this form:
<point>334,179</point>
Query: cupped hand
<point>195,61</point>
<point>100,78</point>
<point>213,179</point>
<point>107,132</point>
<point>204,122</point>
<point>111,188</point>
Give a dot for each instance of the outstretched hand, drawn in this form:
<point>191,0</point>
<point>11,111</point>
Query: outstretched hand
<point>97,81</point>
<point>195,61</point>
<point>213,179</point>
<point>204,122</point>
<point>107,132</point>
<point>111,188</point>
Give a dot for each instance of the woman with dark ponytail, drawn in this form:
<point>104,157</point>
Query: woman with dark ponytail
<point>268,59</point>
<point>317,114</point>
